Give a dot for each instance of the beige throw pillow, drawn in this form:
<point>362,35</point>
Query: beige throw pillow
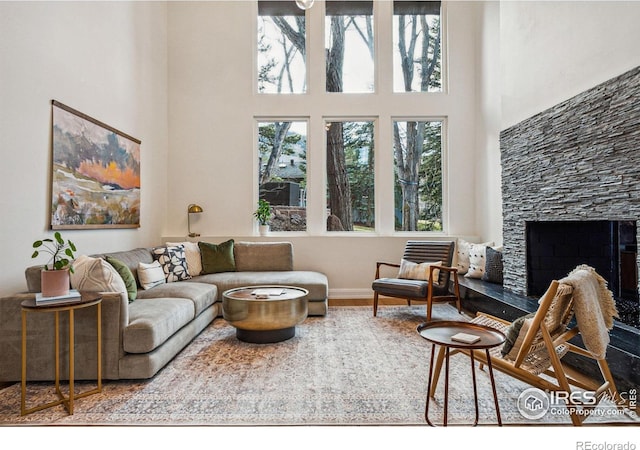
<point>418,271</point>
<point>95,275</point>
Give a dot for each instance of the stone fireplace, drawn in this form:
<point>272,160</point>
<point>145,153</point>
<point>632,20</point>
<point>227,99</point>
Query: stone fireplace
<point>577,162</point>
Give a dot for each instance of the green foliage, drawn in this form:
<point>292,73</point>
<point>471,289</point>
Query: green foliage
<point>263,213</point>
<point>61,252</point>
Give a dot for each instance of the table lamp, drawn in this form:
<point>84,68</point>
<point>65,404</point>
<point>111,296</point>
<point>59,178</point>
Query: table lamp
<point>192,209</point>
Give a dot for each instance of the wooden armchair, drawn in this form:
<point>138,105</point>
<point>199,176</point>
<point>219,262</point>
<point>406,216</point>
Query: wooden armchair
<point>535,357</point>
<point>432,286</point>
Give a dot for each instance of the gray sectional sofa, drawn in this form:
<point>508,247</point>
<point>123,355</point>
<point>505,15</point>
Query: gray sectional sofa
<point>142,336</point>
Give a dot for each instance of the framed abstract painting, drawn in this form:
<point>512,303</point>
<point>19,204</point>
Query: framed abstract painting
<point>95,173</point>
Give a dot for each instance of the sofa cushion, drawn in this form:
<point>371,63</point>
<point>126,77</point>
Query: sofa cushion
<point>173,261</point>
<point>217,257</point>
<point>202,295</point>
<point>315,282</point>
<point>153,321</point>
<point>263,256</point>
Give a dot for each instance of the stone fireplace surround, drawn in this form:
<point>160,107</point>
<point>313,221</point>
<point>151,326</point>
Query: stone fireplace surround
<point>579,160</point>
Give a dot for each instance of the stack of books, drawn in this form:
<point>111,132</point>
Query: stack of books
<point>71,297</point>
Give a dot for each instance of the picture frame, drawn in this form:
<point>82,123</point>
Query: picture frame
<point>95,173</point>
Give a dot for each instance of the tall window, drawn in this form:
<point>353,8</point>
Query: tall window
<point>417,150</point>
<point>413,191</point>
<point>417,46</point>
<point>281,48</point>
<point>282,152</point>
<point>349,46</point>
<point>350,176</point>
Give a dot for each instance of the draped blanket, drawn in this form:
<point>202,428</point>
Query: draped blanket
<point>594,308</point>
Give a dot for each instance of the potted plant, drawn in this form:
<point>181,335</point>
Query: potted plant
<point>55,273</point>
<point>263,214</point>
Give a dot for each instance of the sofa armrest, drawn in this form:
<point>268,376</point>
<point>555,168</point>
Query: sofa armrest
<point>40,333</point>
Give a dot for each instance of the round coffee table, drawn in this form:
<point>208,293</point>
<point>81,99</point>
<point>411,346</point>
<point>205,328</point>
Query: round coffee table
<point>265,314</point>
<point>446,335</point>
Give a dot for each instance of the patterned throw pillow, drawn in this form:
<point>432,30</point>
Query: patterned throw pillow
<point>192,253</point>
<point>463,256</point>
<point>95,275</point>
<point>150,275</point>
<point>477,260</point>
<point>493,271</point>
<point>173,261</point>
<point>414,271</point>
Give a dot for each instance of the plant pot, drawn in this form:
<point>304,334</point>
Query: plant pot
<point>54,283</point>
<point>263,229</point>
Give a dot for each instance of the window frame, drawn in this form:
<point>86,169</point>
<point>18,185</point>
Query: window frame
<point>316,107</point>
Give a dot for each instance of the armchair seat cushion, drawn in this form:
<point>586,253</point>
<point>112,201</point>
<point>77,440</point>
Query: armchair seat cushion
<point>404,288</point>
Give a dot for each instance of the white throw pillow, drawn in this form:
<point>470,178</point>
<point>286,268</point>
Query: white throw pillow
<point>418,271</point>
<point>477,260</point>
<point>462,255</point>
<point>192,254</point>
<point>95,275</point>
<point>150,275</point>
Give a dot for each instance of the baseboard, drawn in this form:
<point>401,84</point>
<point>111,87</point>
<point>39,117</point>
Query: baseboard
<point>356,294</point>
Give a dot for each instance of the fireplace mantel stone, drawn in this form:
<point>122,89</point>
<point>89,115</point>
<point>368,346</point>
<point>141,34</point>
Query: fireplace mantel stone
<point>579,160</point>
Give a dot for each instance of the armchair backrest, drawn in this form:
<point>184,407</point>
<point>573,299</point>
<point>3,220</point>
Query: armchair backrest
<point>431,251</point>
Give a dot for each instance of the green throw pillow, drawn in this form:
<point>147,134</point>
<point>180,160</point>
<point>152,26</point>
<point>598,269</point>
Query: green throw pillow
<point>512,333</point>
<point>217,257</point>
<point>127,276</point>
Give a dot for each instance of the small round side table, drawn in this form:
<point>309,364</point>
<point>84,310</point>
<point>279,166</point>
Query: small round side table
<point>30,306</point>
<point>442,333</point>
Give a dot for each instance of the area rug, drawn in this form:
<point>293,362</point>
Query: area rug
<point>347,368</point>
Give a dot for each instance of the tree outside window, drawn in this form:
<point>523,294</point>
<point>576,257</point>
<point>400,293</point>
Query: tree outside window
<point>350,180</point>
<point>417,56</point>
<point>281,48</point>
<point>417,151</point>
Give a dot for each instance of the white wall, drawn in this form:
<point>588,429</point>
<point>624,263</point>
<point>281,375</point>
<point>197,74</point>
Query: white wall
<point>489,189</point>
<point>551,51</point>
<point>106,59</point>
<point>213,156</point>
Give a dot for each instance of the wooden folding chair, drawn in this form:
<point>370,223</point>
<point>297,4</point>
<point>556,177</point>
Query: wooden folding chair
<point>541,348</point>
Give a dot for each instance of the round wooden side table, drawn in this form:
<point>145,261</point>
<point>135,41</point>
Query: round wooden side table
<point>87,300</point>
<point>445,335</point>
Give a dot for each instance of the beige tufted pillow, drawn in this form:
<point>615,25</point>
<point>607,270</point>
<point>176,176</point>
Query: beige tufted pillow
<point>95,275</point>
